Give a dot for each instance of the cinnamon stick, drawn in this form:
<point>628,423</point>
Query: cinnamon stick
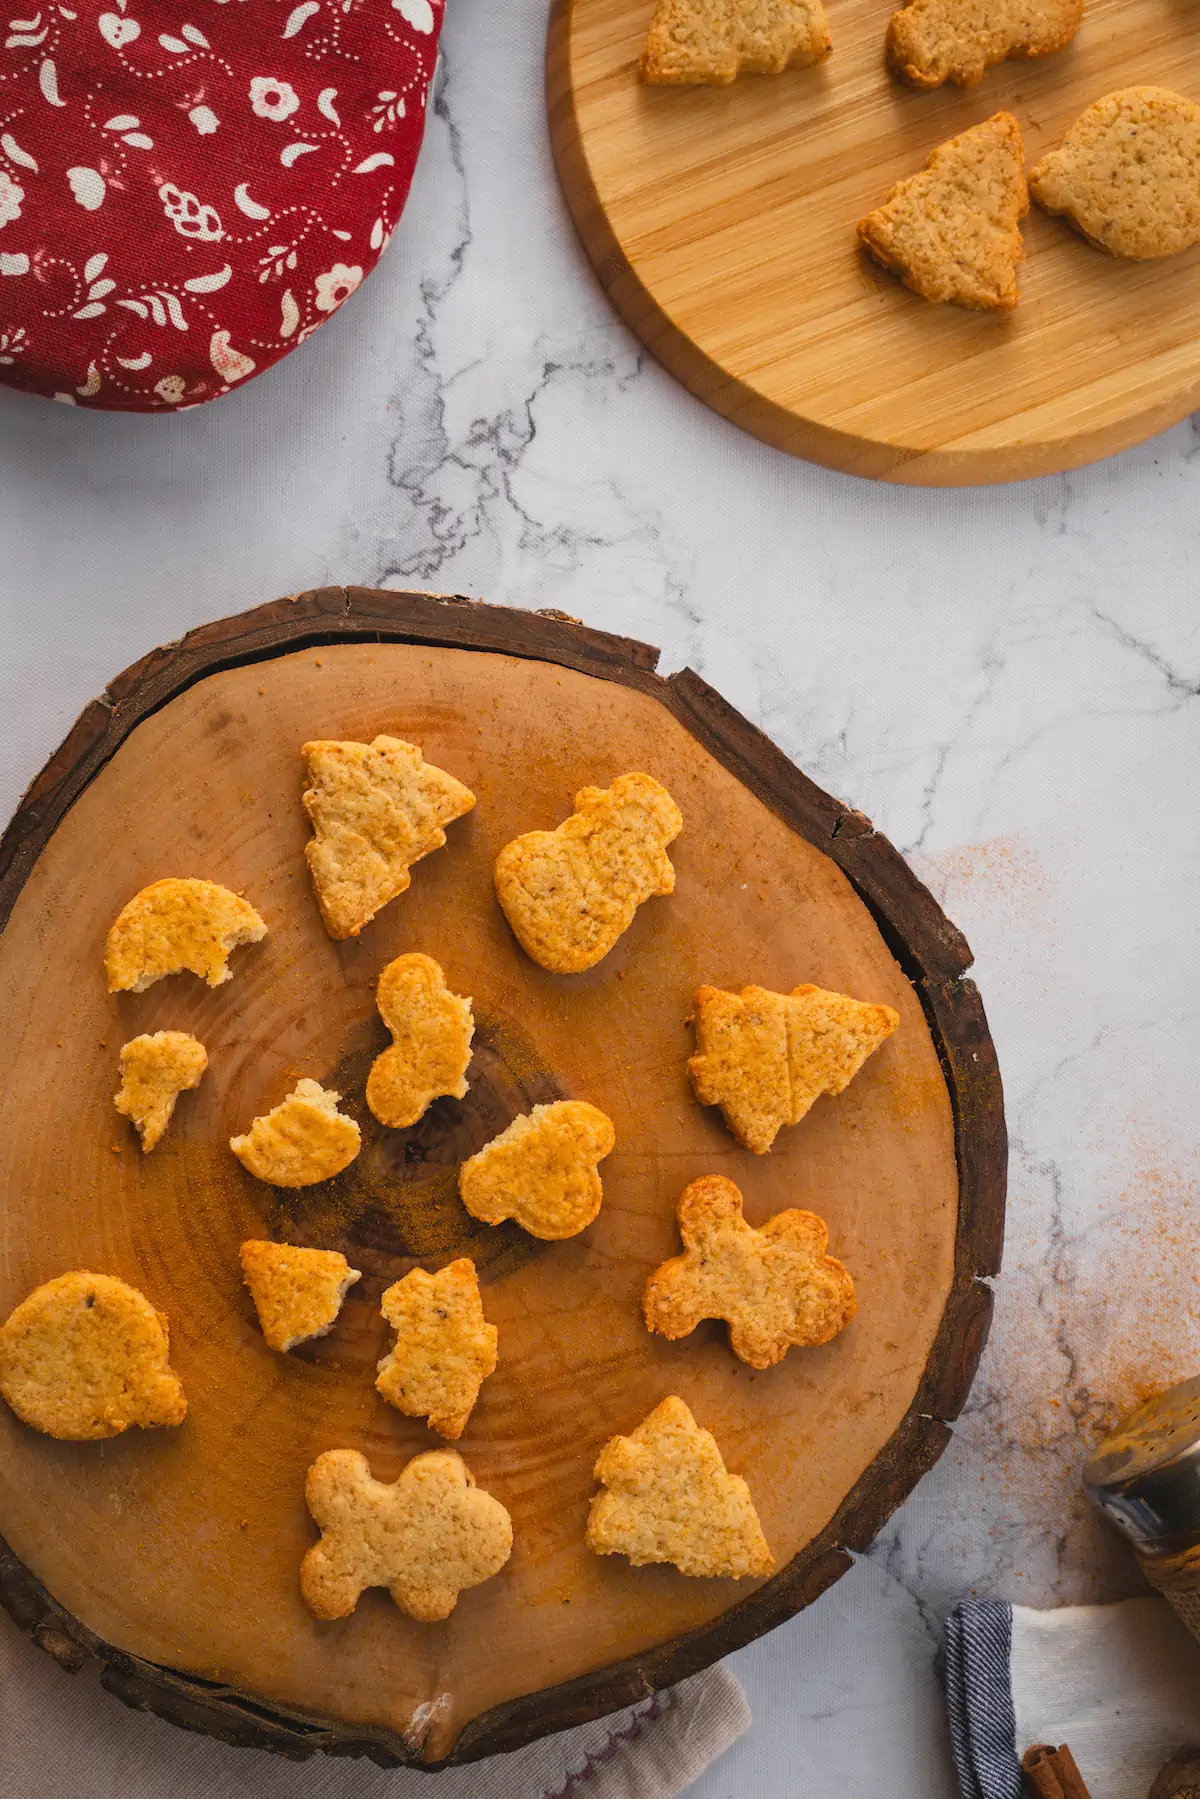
<point>1052,1773</point>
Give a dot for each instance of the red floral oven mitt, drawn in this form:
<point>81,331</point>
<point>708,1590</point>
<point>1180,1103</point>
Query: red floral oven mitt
<point>188,190</point>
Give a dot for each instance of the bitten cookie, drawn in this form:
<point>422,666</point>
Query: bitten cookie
<point>174,926</point>
<point>931,41</point>
<point>155,1070</point>
<point>541,1171</point>
<point>301,1140</point>
<point>668,1497</point>
<point>375,808</point>
<point>431,1031</point>
<point>765,1057</point>
<point>715,41</point>
<point>775,1287</point>
<point>953,232</point>
<point>425,1537</point>
<point>297,1293</point>
<point>1127,174</point>
<point>444,1349</point>
<point>85,1357</point>
<point>569,893</point>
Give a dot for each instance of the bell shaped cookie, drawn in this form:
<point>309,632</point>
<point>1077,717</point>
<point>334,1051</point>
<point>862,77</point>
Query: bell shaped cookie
<point>775,1287</point>
<point>715,41</point>
<point>765,1057</point>
<point>1127,174</point>
<point>425,1537</point>
<point>86,1357</point>
<point>932,41</point>
<point>302,1140</point>
<point>176,926</point>
<point>431,1042</point>
<point>155,1070</point>
<point>668,1497</point>
<point>444,1349</point>
<point>569,893</point>
<point>375,809</point>
<point>297,1292</point>
<point>953,232</point>
<point>541,1171</point>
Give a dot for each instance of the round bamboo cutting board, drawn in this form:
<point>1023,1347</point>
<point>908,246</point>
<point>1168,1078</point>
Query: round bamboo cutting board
<point>171,1557</point>
<point>721,222</point>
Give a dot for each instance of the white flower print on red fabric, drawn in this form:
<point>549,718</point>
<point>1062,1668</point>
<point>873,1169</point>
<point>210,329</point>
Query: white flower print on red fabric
<point>190,216</point>
<point>272,99</point>
<point>11,197</point>
<point>335,286</point>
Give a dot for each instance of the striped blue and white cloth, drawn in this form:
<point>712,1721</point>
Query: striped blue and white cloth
<point>977,1674</point>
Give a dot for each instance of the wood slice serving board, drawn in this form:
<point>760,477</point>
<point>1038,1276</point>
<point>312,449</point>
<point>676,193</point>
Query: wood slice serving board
<point>172,1556</point>
<point>721,222</point>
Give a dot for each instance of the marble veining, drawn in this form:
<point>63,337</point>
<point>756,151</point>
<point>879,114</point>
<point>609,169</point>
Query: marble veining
<point>1005,680</point>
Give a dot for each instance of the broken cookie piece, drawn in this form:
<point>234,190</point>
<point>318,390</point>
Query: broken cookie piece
<point>541,1171</point>
<point>1127,174</point>
<point>155,1070</point>
<point>174,926</point>
<point>775,1287</point>
<point>715,41</point>
<point>668,1497</point>
<point>765,1057</point>
<point>85,1357</point>
<point>297,1292</point>
<point>431,1031</point>
<point>444,1349</point>
<point>569,893</point>
<point>375,808</point>
<point>932,41</point>
<point>953,232</point>
<point>302,1140</point>
<point>425,1537</point>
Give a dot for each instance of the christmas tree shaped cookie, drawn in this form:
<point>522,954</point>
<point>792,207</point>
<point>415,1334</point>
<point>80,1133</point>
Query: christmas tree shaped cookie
<point>931,41</point>
<point>953,232</point>
<point>715,41</point>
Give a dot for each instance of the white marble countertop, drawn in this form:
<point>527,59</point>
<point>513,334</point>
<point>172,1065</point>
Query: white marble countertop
<point>1006,680</point>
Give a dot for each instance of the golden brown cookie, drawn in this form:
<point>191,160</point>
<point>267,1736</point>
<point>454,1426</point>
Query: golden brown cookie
<point>431,1042</point>
<point>541,1171</point>
<point>375,808</point>
<point>177,925</point>
<point>301,1140</point>
<point>764,1057</point>
<point>668,1497</point>
<point>931,41</point>
<point>297,1293</point>
<point>155,1070</point>
<point>715,41</point>
<point>425,1537</point>
<point>444,1349</point>
<point>85,1357</point>
<point>1127,174</point>
<point>569,893</point>
<point>953,232</point>
<point>775,1287</point>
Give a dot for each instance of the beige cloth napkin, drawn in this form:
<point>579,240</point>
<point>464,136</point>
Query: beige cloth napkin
<point>62,1733</point>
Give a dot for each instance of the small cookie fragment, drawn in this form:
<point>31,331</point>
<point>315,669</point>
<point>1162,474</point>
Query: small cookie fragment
<point>444,1349</point>
<point>297,1293</point>
<point>375,808</point>
<point>765,1057</point>
<point>425,1537</point>
<point>301,1140</point>
<point>932,41</point>
<point>1127,174</point>
<point>775,1287</point>
<point>174,926</point>
<point>715,41</point>
<point>668,1497</point>
<point>569,893</point>
<point>86,1357</point>
<point>541,1171</point>
<point>953,232</point>
<point>155,1070</point>
<point>431,1031</point>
